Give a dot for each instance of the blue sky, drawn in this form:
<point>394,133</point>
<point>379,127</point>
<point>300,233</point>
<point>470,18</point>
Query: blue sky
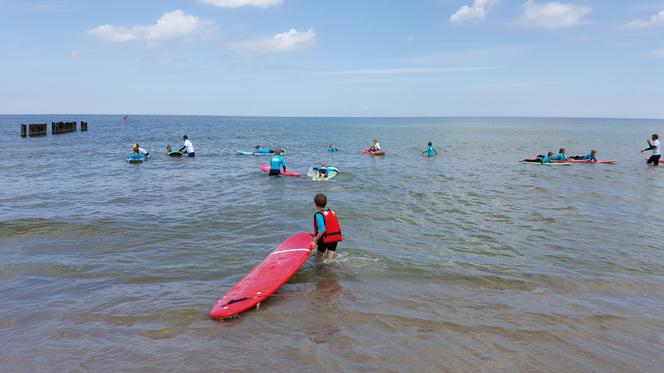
<point>361,58</point>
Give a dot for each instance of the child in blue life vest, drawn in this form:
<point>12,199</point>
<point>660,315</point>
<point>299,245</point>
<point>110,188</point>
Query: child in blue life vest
<point>327,232</point>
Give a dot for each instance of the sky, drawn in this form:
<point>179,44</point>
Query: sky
<point>583,58</point>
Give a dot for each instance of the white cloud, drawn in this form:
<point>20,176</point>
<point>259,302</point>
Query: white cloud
<point>172,25</point>
<point>654,20</point>
<point>553,14</point>
<point>241,3</point>
<point>477,11</point>
<point>288,41</point>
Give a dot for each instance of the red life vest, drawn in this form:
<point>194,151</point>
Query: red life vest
<point>332,229</point>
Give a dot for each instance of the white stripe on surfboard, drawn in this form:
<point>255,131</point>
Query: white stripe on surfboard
<point>289,250</point>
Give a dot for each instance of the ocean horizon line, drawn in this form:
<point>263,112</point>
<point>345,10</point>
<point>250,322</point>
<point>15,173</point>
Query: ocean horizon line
<point>344,116</point>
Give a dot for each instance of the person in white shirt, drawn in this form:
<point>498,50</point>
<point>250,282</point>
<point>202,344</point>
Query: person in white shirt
<point>188,147</point>
<point>655,146</point>
<point>375,147</point>
<point>139,150</point>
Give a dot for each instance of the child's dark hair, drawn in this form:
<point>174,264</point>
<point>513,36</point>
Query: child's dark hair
<point>430,143</point>
<point>549,154</point>
<point>655,136</point>
<point>561,150</point>
<point>320,200</point>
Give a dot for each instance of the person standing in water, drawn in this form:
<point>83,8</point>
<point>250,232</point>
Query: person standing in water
<point>655,146</point>
<point>276,163</point>
<point>188,147</point>
<point>430,151</point>
<point>327,232</point>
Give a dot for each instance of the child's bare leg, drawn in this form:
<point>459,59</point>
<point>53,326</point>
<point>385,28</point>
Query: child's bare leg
<point>331,254</point>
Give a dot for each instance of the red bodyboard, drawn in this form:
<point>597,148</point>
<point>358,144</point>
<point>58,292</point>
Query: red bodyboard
<point>570,160</point>
<point>367,151</point>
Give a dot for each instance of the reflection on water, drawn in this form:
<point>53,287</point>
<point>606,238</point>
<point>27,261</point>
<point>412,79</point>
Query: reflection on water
<point>468,261</point>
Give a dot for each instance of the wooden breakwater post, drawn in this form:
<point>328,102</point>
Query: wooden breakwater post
<point>63,127</point>
<point>32,130</point>
<point>41,129</point>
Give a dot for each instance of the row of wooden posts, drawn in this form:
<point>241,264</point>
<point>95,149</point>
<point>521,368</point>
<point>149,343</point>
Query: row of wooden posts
<point>41,129</point>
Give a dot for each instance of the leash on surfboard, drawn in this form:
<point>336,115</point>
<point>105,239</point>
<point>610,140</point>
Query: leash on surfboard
<point>289,295</point>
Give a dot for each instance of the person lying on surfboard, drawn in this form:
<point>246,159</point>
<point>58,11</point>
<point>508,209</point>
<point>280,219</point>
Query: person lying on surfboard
<point>430,151</point>
<point>592,156</point>
<point>561,156</point>
<point>277,162</point>
<point>322,171</point>
<point>327,232</point>
<point>375,147</point>
<point>262,150</point>
<point>541,158</point>
<point>332,148</point>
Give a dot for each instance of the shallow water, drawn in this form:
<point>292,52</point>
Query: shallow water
<point>468,261</point>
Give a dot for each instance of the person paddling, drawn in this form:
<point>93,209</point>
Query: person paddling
<point>327,232</point>
<point>261,150</point>
<point>561,156</point>
<point>188,147</point>
<point>277,162</point>
<point>656,151</point>
<point>592,156</point>
<point>540,158</point>
<point>430,150</point>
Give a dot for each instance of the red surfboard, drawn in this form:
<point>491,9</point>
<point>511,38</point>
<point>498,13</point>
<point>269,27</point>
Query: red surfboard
<point>266,168</point>
<point>265,278</point>
<point>378,152</point>
<point>570,160</point>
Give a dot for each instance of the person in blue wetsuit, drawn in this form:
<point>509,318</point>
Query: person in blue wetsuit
<point>588,157</point>
<point>332,148</point>
<point>261,150</point>
<point>561,156</point>
<point>541,158</point>
<point>548,158</point>
<point>430,151</point>
<point>277,162</point>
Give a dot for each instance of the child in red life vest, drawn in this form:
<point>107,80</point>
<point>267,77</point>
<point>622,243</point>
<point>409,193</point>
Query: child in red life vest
<point>327,232</point>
